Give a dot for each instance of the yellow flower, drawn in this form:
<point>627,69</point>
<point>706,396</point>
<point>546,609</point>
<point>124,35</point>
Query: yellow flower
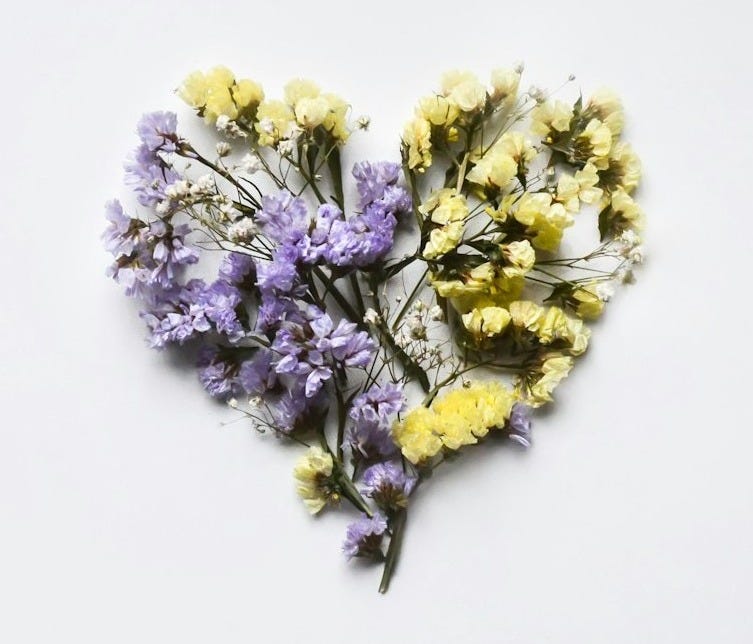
<point>520,254</point>
<point>275,122</point>
<point>544,219</point>
<point>550,118</point>
<point>311,112</point>
<point>247,94</point>
<point>593,143</point>
<point>313,473</point>
<point>443,240</point>
<point>336,121</point>
<point>463,90</point>
<point>300,88</point>
<point>589,305</point>
<point>621,170</point>
<point>438,110</point>
<point>487,322</point>
<point>417,435</point>
<point>553,370</point>
<point>505,84</point>
<point>417,140</point>
<point>502,162</point>
<point>445,206</point>
<point>193,90</point>
<point>607,107</point>
<point>624,210</point>
<point>587,179</point>
<point>525,314</point>
<point>550,324</point>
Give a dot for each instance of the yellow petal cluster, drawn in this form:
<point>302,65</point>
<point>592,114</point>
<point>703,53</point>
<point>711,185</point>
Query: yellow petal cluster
<point>463,90</point>
<point>458,418</point>
<point>606,106</point>
<point>448,209</point>
<point>552,371</point>
<point>313,473</point>
<point>505,83</point>
<point>275,122</point>
<point>589,305</point>
<point>417,143</point>
<point>217,93</point>
<point>486,322</point>
<point>550,118</point>
<point>550,324</point>
<point>502,161</point>
<point>546,220</point>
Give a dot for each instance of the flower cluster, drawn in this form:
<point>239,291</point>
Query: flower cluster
<point>315,329</point>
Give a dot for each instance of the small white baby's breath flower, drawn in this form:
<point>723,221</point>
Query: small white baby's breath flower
<point>636,255</point>
<point>233,403</point>
<point>363,122</point>
<point>223,148</point>
<point>255,402</point>
<point>285,147</point>
<point>222,122</point>
<point>250,164</point>
<point>436,313</point>
<point>537,94</point>
<point>242,230</point>
<point>519,66</point>
<point>371,317</point>
<point>604,291</point>
<point>267,126</point>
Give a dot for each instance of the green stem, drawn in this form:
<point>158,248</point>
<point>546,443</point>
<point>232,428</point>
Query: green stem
<point>393,551</point>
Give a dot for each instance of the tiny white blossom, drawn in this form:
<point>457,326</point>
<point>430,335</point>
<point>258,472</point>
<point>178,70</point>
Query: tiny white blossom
<point>267,126</point>
<point>255,402</point>
<point>519,67</point>
<point>436,313</point>
<point>223,148</point>
<point>364,122</point>
<point>242,230</point>
<point>286,147</point>
<point>372,317</point>
<point>604,291</point>
<point>250,164</point>
<point>537,94</point>
<point>416,327</point>
<point>233,403</point>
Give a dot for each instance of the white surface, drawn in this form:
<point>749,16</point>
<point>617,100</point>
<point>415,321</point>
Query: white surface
<point>130,515</point>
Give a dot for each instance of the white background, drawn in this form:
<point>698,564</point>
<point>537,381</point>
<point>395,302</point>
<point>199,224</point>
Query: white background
<point>129,514</point>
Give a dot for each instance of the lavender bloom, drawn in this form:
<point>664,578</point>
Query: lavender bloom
<point>388,485</point>
<point>378,403</point>
<point>363,537</point>
<point>149,178</point>
<point>169,251</point>
<point>219,303</point>
<point>373,178</point>
<point>157,131</point>
<point>519,424</point>
<point>218,375</point>
<point>370,441</point>
<point>274,311</point>
<point>238,268</point>
<point>122,235</point>
<point>283,217</point>
<point>176,316</point>
<point>257,376</point>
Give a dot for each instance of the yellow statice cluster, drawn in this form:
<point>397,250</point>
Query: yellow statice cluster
<point>313,472</point>
<point>545,218</point>
<point>535,389</point>
<point>550,324</point>
<point>217,93</point>
<point>497,166</point>
<point>462,98</point>
<point>312,108</point>
<point>458,418</point>
<point>448,210</point>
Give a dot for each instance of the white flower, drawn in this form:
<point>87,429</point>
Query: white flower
<point>416,327</point>
<point>223,148</point>
<point>286,147</point>
<point>635,255</point>
<point>364,122</point>
<point>255,402</point>
<point>267,126</point>
<point>233,403</point>
<point>436,313</point>
<point>604,291</point>
<point>629,239</point>
<point>537,94</point>
<point>372,317</point>
<point>202,186</point>
<point>242,230</point>
<point>250,164</point>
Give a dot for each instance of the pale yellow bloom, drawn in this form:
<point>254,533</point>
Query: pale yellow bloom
<point>546,220</point>
<point>487,322</point>
<point>313,471</point>
<point>445,206</point>
<point>443,240</point>
<point>300,88</point>
<point>589,305</point>
<point>626,212</point>
<point>417,139</point>
<point>438,110</point>
<point>217,94</point>
<point>275,122</point>
<point>623,167</point>
<point>336,122</point>
<point>553,370</point>
<point>587,179</point>
<point>594,143</point>
<point>418,435</point>
<point>606,106</point>
<point>311,112</point>
<point>520,254</point>
<point>247,93</point>
<point>502,162</point>
<point>549,118</point>
<point>463,90</point>
<point>505,84</point>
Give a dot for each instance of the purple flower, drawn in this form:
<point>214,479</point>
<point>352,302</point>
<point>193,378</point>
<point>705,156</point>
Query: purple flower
<point>123,234</point>
<point>388,485</point>
<point>149,178</point>
<point>257,376</point>
<point>169,251</point>
<point>157,131</point>
<point>220,302</point>
<point>283,217</point>
<point>370,441</point>
<point>519,424</point>
<point>373,178</point>
<point>378,403</point>
<point>176,317</point>
<point>274,311</point>
<point>238,268</point>
<point>280,276</point>
<point>363,537</point>
<point>218,374</point>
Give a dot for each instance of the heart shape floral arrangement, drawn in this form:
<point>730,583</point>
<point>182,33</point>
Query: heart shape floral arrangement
<point>381,364</point>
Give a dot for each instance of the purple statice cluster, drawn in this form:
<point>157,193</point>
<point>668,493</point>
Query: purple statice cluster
<point>388,485</point>
<point>369,435</point>
<point>148,171</point>
<point>519,424</point>
<point>363,537</point>
<point>307,350</point>
<point>328,237</point>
